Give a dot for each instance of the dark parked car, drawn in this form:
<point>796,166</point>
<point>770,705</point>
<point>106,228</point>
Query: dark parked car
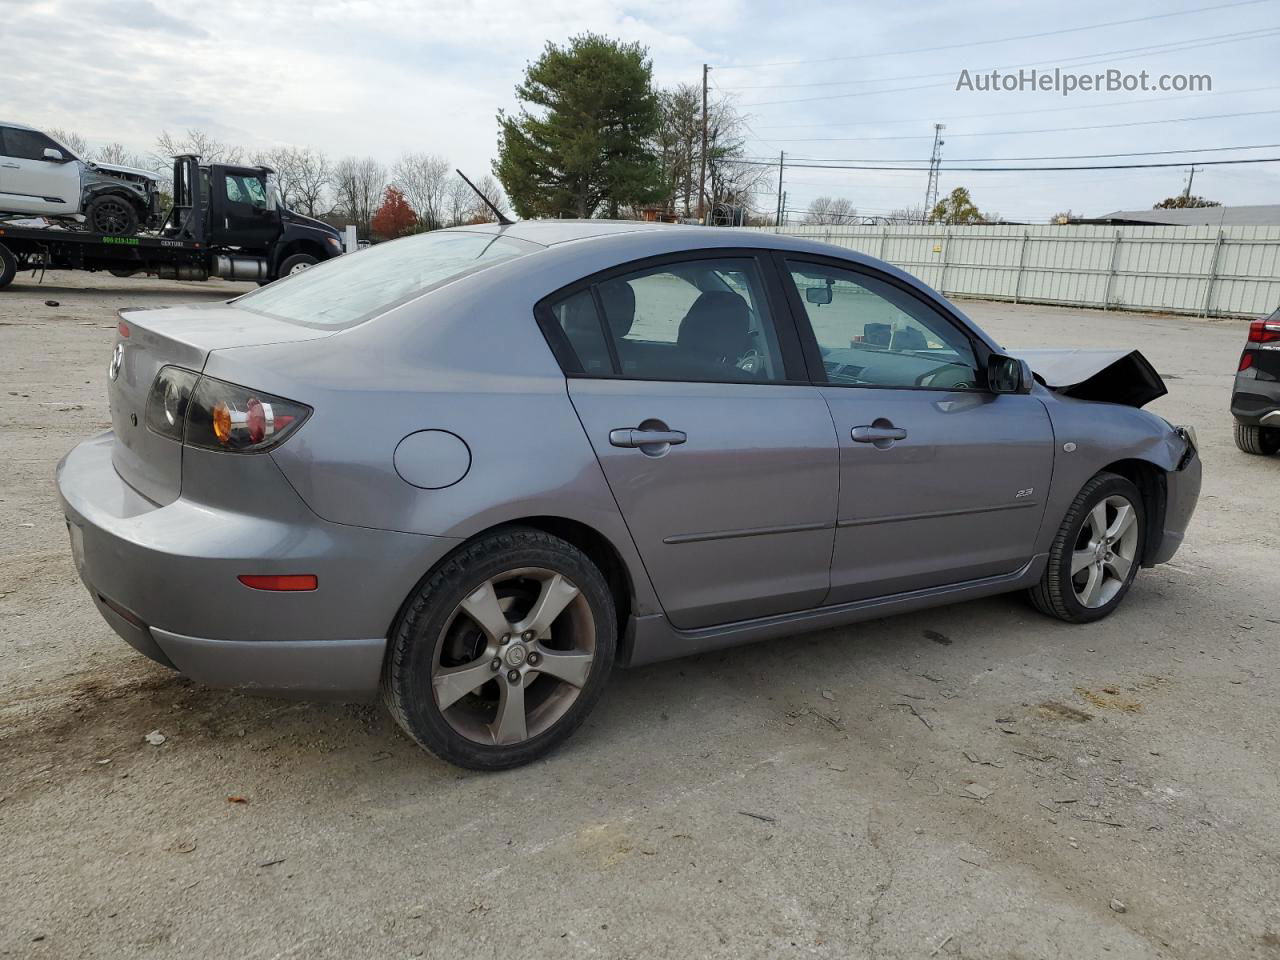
<point>472,469</point>
<point>1255,400</point>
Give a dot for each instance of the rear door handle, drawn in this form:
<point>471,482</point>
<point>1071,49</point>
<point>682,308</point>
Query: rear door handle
<point>631,437</point>
<point>870,434</point>
<point>11,166</point>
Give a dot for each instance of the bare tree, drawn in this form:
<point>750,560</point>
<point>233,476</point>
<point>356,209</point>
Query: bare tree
<point>301,176</point>
<point>119,154</point>
<point>825,210</point>
<point>423,178</point>
<point>199,142</point>
<point>71,140</point>
<point>909,214</point>
<point>358,183</point>
<point>492,191</point>
<point>460,202</point>
<point>730,182</point>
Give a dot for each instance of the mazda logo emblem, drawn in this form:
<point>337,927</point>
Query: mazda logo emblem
<point>117,358</point>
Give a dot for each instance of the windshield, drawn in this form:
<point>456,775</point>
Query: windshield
<point>355,287</point>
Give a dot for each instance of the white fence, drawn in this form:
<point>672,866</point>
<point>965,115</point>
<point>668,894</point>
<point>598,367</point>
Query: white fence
<point>1204,271</point>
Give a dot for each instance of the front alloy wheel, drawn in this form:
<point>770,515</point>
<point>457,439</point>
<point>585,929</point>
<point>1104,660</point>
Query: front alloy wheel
<point>502,651</point>
<point>1096,553</point>
<point>1106,550</point>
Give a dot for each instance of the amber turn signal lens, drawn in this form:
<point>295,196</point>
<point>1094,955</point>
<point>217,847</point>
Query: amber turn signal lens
<point>288,581</point>
<point>222,423</point>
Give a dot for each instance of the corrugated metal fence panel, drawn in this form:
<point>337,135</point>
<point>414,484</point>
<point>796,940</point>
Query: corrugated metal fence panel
<point>1233,271</point>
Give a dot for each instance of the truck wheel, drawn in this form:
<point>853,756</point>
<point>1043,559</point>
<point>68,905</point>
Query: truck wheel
<point>1252,438</point>
<point>8,266</point>
<point>112,215</point>
<point>296,264</point>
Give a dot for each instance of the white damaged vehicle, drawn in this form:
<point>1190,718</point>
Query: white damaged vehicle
<point>41,177</point>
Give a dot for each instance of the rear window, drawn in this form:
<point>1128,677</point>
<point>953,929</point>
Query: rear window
<point>353,288</point>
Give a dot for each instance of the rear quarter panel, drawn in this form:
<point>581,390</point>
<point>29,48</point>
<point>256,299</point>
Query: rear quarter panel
<point>468,359</point>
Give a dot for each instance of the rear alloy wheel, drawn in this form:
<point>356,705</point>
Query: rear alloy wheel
<point>112,215</point>
<point>1096,553</point>
<point>1251,438</point>
<point>501,652</point>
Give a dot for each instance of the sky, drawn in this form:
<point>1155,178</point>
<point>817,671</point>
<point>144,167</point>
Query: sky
<point>851,81</point>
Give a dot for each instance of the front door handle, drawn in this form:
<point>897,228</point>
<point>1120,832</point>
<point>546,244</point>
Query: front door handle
<point>632,437</point>
<point>878,434</point>
<point>11,166</point>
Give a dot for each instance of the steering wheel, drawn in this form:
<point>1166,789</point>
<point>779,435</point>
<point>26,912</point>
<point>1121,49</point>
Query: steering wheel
<point>751,362</point>
<point>926,379</point>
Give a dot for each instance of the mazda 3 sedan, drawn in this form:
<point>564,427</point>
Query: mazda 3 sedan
<point>474,469</point>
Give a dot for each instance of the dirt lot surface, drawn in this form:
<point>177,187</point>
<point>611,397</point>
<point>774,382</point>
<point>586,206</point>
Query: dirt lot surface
<point>972,781</point>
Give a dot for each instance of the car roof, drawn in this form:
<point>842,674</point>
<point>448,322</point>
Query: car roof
<point>19,126</point>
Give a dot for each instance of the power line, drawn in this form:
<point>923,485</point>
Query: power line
<point>1016,113</point>
<point>1013,133</point>
<point>979,43</point>
<point>1098,58</point>
<point>796,165</point>
<point>1169,46</point>
<point>1072,156</point>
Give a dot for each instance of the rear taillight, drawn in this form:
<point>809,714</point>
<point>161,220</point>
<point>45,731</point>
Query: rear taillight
<point>215,415</point>
<point>1264,331</point>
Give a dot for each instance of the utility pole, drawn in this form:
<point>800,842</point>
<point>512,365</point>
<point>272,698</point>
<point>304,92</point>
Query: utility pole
<point>782,157</point>
<point>702,179</point>
<point>935,167</point>
<point>1191,175</point>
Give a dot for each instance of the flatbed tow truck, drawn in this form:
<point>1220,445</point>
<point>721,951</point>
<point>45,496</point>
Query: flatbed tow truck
<point>225,222</point>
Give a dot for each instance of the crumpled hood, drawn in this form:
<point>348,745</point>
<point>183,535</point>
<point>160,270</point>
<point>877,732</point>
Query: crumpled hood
<point>118,168</point>
<point>1106,376</point>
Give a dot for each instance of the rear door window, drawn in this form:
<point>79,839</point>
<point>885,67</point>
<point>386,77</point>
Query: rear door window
<point>705,320</point>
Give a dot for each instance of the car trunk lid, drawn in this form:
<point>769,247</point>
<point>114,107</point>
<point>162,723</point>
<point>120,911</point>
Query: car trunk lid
<point>146,341</point>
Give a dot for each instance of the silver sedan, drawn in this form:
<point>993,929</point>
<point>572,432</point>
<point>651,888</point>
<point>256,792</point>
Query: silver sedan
<point>474,469</point>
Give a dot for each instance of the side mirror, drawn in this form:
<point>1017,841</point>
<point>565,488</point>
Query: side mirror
<point>1008,375</point>
<point>54,155</point>
<point>818,295</point>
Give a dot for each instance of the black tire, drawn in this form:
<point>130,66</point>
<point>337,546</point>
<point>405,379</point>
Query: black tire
<point>8,266</point>
<point>1056,595</point>
<point>428,621</point>
<point>296,263</point>
<point>112,215</point>
<point>1261,441</point>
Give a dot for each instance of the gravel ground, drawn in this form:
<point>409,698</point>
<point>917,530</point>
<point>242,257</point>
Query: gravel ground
<point>1011,788</point>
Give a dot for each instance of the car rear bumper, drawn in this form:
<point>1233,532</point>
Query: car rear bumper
<point>165,579</point>
<point>1256,402</point>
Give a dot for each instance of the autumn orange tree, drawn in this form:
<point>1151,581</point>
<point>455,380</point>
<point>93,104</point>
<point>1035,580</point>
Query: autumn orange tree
<point>395,217</point>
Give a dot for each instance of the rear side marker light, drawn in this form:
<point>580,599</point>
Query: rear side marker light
<point>280,582</point>
<point>123,329</point>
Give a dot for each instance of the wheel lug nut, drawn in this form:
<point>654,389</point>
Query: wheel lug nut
<point>506,638</point>
<point>533,659</point>
<point>528,635</point>
<point>495,664</point>
<point>513,676</point>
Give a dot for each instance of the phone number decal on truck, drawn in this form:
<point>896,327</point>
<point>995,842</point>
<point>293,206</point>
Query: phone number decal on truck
<point>123,241</point>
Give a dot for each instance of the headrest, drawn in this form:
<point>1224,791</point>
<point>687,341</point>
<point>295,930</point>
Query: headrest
<point>717,324</point>
<point>619,301</point>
